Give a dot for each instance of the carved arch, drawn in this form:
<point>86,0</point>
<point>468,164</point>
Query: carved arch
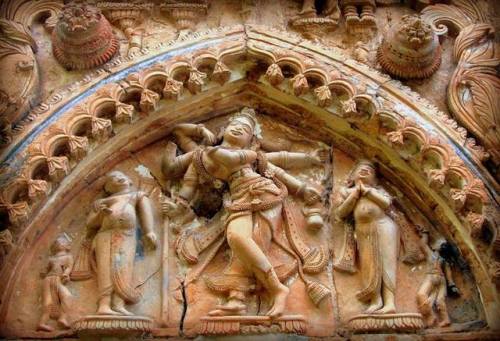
<point>118,115</point>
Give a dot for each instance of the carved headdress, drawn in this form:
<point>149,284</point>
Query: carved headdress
<point>248,115</point>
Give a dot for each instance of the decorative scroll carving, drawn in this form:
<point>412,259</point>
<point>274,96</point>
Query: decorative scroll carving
<point>474,85</point>
<point>55,296</point>
<point>83,38</point>
<point>411,49</point>
<point>20,81</point>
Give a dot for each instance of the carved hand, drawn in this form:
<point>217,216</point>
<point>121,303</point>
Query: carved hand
<point>311,195</point>
<point>208,137</point>
<point>65,278</point>
<point>363,189</point>
<point>320,156</point>
<point>151,240</point>
<point>169,208</point>
<point>104,208</point>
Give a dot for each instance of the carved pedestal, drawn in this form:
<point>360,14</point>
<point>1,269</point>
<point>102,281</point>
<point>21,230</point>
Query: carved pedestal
<point>228,325</point>
<point>113,325</point>
<point>402,322</point>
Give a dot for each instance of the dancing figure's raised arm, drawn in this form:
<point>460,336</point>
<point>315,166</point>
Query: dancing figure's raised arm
<point>186,135</point>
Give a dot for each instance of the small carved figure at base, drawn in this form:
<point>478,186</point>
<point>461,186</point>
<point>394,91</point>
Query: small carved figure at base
<point>55,295</point>
<point>431,296</point>
<point>113,325</point>
<point>386,322</point>
<point>230,325</point>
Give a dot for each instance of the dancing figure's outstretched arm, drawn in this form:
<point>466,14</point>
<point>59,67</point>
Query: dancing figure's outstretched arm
<point>294,185</point>
<point>288,160</point>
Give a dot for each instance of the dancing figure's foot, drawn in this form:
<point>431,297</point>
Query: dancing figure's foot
<point>279,302</point>
<point>63,322</point>
<point>430,320</point>
<point>232,307</point>
<point>44,327</point>
<point>375,306</point>
<point>387,309</point>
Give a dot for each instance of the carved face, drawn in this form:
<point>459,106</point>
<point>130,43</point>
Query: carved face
<point>239,132</point>
<point>365,173</point>
<point>116,181</point>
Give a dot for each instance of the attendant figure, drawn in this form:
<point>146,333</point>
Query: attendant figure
<point>55,295</point>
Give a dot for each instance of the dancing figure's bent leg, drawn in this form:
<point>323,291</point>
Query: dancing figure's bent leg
<point>239,238</point>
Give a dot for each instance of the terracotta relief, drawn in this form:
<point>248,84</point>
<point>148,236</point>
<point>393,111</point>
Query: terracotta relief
<point>474,80</point>
<point>437,284</point>
<point>216,174</point>
<point>411,49</point>
<point>377,244</point>
<point>313,22</point>
<point>128,16</point>
<point>55,295</point>
<point>109,248</point>
<point>82,37</point>
<point>20,80</point>
<point>185,13</point>
<point>359,15</point>
<point>257,221</point>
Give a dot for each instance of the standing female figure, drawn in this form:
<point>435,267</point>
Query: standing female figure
<point>377,237</point>
<point>111,232</point>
